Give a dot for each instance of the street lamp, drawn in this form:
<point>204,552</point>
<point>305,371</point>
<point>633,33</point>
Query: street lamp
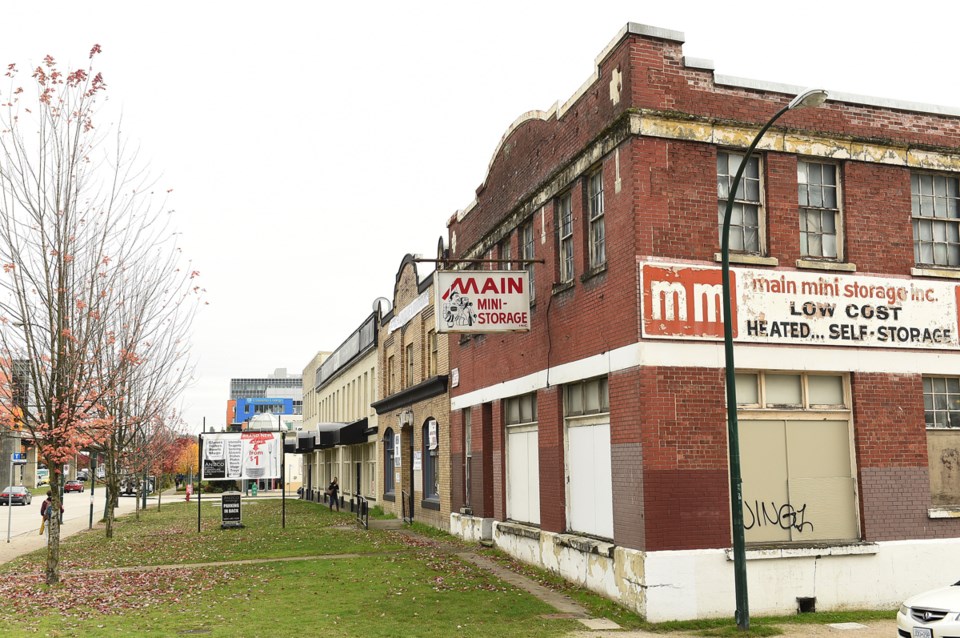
<point>810,98</point>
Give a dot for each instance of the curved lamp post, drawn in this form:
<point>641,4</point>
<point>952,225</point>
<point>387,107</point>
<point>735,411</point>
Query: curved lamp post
<point>811,98</point>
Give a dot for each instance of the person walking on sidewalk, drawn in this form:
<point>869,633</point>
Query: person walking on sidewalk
<point>333,490</point>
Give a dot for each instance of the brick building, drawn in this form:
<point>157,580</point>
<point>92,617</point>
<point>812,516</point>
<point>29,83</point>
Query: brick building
<point>596,443</point>
<point>414,411</point>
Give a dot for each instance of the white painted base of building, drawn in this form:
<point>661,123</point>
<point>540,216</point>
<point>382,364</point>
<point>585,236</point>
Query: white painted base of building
<point>692,584</point>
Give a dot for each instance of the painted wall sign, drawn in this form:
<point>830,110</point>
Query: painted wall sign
<point>482,301</point>
<point>241,455</point>
<point>683,301</point>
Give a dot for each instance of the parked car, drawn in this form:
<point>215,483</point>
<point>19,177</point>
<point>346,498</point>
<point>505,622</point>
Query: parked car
<point>932,614</point>
<point>82,475</point>
<point>73,486</point>
<point>16,494</point>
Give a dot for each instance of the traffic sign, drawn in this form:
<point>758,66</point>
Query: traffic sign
<point>18,458</point>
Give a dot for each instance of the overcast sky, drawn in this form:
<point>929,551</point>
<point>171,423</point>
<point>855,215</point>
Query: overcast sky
<point>311,145</point>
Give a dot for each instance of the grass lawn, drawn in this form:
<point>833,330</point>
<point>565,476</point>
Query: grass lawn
<point>388,585</point>
<point>318,575</point>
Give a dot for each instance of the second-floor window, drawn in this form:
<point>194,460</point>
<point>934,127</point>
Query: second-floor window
<point>391,375</point>
<point>527,252</point>
<point>598,251</point>
<point>565,236</point>
<point>936,219</point>
<point>432,353</point>
<point>408,355</point>
<point>820,220</point>
<point>746,221</point>
<point>506,255</point>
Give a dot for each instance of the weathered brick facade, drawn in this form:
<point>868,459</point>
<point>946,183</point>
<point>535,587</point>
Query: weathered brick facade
<point>654,126</point>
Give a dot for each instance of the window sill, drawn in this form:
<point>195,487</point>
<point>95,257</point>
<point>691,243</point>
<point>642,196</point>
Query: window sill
<point>813,264</point>
<point>430,504</point>
<point>593,272</point>
<point>586,544</point>
<point>390,497</point>
<point>749,260</point>
<point>561,287</point>
<point>944,273</point>
<point>808,551</point>
<point>516,529</point>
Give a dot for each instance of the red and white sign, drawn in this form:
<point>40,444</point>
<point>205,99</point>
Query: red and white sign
<point>482,301</point>
<point>683,301</point>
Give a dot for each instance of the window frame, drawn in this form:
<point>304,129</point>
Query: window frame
<point>564,211</point>
<point>409,368</point>
<point>389,483</point>
<point>596,232</point>
<point>723,191</point>
<point>806,209</point>
<point>527,248</point>
<point>950,237</point>
<point>952,414</point>
<point>431,464</point>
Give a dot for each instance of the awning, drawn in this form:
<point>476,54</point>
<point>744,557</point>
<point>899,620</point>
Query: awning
<point>354,433</point>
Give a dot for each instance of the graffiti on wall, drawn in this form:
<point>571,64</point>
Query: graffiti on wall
<point>768,513</point>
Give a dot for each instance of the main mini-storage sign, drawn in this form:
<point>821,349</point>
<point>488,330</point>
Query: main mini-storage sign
<point>682,301</point>
<point>482,301</point>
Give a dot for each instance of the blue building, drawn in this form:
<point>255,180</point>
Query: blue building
<point>279,393</point>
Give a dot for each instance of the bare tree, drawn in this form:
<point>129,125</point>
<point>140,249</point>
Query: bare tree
<point>79,226</point>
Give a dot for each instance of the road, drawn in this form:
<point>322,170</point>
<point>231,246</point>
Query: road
<point>24,520</point>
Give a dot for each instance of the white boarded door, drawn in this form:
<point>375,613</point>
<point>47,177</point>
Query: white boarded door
<point>589,480</point>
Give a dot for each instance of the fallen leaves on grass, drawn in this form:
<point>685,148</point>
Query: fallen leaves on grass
<point>85,595</point>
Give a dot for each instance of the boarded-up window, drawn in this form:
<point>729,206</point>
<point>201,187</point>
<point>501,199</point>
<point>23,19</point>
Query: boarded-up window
<point>589,468</point>
<point>797,466</point>
<point>523,459</point>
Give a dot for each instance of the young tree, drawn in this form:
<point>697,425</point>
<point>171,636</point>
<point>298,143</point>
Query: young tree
<point>79,225</point>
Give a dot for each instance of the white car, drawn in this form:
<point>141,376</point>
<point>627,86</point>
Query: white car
<point>932,614</point>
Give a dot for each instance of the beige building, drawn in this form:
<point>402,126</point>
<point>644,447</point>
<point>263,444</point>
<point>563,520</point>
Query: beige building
<point>414,436</point>
<point>338,390</point>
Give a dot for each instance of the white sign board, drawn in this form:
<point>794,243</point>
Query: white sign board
<point>417,460</point>
<point>475,301</point>
<point>683,301</point>
<point>241,455</point>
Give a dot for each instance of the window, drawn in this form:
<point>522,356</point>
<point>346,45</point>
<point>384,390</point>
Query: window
<point>431,452</point>
<point>408,355</point>
<point>391,375</point>
<point>941,402</point>
<point>565,230</point>
<point>819,210</point>
<point>795,449</point>
<point>936,219</point>
<point>506,255</point>
<point>526,253</point>
<point>598,253</point>
<point>588,456</point>
<point>388,462</point>
<point>523,459</point>
<point>432,353</point>
<point>746,230</point>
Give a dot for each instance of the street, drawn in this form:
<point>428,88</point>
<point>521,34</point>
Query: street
<point>21,520</point>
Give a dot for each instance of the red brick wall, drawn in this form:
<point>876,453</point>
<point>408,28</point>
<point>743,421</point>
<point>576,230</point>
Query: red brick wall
<point>553,490</point>
<point>877,214</point>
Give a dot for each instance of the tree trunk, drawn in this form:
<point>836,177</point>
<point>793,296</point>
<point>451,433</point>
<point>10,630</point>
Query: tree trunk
<point>53,542</point>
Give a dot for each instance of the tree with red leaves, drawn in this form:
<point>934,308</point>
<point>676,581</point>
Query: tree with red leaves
<point>90,289</point>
